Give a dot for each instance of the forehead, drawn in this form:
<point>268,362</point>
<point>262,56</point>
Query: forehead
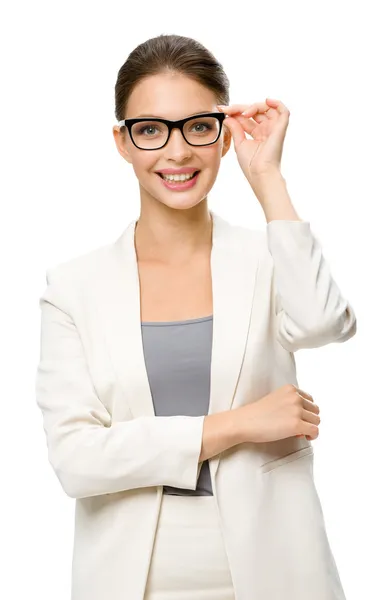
<point>169,96</point>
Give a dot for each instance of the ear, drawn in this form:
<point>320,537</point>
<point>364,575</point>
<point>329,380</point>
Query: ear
<point>120,141</point>
<point>227,137</point>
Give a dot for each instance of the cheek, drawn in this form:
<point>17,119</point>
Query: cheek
<point>144,164</point>
<point>210,156</point>
<point>214,158</point>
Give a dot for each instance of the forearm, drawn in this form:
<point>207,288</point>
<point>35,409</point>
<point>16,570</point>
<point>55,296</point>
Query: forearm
<point>272,193</point>
<point>91,452</point>
<point>148,451</point>
<point>221,431</point>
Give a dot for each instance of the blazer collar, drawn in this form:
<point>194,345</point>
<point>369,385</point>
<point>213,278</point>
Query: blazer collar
<point>234,264</point>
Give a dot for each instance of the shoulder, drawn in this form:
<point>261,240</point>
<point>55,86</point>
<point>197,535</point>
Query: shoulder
<point>80,270</point>
<point>238,232</point>
<point>78,267</point>
<point>277,238</point>
<point>242,238</point>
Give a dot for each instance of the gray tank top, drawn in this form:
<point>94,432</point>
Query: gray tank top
<point>178,364</point>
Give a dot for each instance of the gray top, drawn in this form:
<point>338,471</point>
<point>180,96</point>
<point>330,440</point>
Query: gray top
<point>178,364</point>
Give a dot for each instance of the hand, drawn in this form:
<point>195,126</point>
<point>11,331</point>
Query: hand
<point>267,123</point>
<point>285,412</point>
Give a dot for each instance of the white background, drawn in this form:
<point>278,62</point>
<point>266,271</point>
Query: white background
<point>65,190</point>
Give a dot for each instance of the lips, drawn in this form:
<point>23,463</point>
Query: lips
<point>180,186</point>
<point>161,174</point>
<point>178,171</point>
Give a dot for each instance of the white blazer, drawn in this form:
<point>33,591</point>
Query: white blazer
<point>273,294</point>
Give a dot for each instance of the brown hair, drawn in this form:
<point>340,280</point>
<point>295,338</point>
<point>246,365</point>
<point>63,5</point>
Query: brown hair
<point>170,53</point>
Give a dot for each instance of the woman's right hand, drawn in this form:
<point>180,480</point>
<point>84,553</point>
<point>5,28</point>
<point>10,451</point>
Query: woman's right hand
<point>285,412</point>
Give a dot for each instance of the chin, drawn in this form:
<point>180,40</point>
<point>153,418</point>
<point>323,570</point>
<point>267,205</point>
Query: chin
<point>181,203</point>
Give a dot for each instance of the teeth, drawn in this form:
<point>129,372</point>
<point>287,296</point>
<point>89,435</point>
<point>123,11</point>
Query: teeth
<point>182,177</point>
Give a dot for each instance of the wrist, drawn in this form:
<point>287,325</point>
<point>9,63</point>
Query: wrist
<point>273,196</point>
<point>238,429</point>
<point>270,177</point>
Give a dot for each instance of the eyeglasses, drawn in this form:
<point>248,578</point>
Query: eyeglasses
<point>152,134</point>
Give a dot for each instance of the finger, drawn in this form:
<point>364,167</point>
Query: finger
<point>270,115</point>
<point>257,108</point>
<point>239,108</point>
<point>307,401</point>
<point>312,406</point>
<point>310,417</point>
<point>312,431</point>
<point>258,130</point>
<point>236,130</point>
<point>278,105</point>
<point>277,112</point>
<point>248,125</point>
<point>301,392</point>
<point>257,118</point>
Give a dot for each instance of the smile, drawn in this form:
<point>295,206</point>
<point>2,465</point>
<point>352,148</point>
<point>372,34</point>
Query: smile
<point>179,182</point>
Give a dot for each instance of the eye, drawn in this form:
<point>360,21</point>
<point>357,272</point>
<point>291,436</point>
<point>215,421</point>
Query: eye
<point>200,125</point>
<point>145,128</point>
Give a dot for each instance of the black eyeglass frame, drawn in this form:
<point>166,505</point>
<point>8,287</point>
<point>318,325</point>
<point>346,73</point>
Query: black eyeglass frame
<point>173,125</point>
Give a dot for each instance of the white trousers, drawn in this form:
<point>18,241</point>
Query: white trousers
<point>189,561</point>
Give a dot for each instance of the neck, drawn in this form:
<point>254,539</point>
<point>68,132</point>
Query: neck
<point>173,237</point>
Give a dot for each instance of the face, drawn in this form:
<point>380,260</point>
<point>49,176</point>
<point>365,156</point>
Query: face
<point>172,96</point>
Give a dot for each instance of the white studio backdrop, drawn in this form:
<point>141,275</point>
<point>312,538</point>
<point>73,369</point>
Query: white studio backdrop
<point>65,190</point>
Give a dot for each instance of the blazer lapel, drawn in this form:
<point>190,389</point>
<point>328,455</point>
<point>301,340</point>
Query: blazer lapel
<point>234,264</point>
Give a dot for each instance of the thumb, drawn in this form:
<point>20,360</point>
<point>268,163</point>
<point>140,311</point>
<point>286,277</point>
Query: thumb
<point>236,130</point>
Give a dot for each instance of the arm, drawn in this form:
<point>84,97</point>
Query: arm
<point>89,453</point>
<point>310,308</point>
<point>222,431</point>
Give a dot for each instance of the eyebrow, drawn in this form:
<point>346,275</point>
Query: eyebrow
<point>200,112</point>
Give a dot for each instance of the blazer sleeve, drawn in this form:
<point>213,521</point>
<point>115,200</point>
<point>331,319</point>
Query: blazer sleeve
<point>310,309</point>
<point>89,453</point>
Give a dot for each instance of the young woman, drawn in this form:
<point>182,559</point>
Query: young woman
<point>167,377</point>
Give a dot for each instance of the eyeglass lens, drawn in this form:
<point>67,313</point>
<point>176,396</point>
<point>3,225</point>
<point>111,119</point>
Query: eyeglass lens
<point>153,134</point>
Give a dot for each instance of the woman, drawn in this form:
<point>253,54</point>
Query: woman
<point>188,447</point>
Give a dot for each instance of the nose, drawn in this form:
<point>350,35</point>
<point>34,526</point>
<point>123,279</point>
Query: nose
<point>177,147</point>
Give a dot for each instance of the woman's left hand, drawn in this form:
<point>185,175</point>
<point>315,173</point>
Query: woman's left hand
<point>267,123</point>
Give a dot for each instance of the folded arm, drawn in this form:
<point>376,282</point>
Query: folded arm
<point>310,309</point>
<point>92,455</point>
